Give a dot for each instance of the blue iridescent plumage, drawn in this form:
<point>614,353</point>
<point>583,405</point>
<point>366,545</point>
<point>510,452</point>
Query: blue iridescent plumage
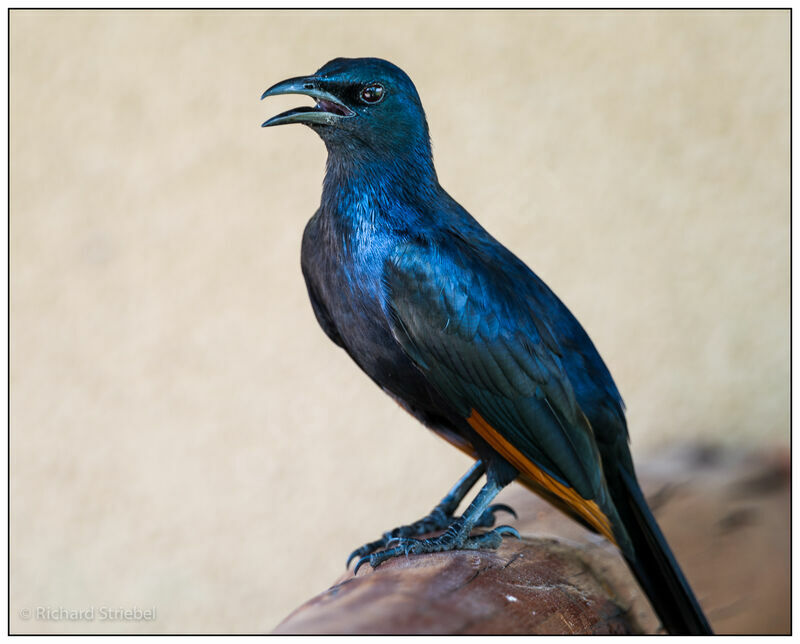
<point>463,334</point>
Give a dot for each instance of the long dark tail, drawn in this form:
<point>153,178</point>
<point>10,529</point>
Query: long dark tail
<point>653,563</point>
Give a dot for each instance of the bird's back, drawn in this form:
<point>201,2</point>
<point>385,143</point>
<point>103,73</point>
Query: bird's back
<point>594,387</point>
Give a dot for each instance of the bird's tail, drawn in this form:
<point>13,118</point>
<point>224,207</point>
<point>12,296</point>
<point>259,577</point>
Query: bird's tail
<point>653,563</point>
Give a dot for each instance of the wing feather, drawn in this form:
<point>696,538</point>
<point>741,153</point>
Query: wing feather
<point>485,349</point>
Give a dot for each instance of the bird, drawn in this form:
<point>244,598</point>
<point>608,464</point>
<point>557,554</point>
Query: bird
<point>464,336</point>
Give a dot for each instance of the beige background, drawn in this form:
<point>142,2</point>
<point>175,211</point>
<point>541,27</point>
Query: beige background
<point>184,436</point>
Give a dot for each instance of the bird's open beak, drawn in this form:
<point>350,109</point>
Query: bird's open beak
<point>328,110</point>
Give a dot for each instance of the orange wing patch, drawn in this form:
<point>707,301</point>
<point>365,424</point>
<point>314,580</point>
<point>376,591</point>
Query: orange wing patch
<point>589,510</point>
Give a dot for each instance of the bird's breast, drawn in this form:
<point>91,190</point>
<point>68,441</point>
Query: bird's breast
<point>345,278</point>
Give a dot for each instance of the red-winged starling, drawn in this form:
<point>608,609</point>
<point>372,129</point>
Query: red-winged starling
<point>460,332</point>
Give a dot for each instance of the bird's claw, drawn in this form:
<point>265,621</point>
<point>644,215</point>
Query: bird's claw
<point>490,540</point>
<point>401,541</point>
<point>487,518</point>
<point>377,558</point>
<point>436,520</point>
<point>406,546</point>
<point>366,549</point>
<point>507,529</point>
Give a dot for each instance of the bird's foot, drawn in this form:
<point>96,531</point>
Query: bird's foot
<point>454,538</point>
<point>438,519</point>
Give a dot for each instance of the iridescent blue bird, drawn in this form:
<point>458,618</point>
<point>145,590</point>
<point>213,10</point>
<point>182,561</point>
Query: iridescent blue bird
<point>459,331</point>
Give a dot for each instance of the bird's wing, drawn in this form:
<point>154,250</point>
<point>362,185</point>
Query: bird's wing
<point>497,361</point>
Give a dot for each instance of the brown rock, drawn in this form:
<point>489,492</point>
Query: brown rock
<point>725,514</point>
<point>529,586</point>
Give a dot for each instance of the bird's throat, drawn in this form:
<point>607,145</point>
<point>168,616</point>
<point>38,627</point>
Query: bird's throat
<point>362,183</point>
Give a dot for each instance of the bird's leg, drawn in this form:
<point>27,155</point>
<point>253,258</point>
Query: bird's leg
<point>438,518</point>
<point>455,537</point>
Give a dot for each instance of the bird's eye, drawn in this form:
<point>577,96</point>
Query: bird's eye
<point>373,93</point>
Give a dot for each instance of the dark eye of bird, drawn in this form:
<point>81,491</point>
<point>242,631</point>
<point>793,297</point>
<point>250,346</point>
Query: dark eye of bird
<point>372,93</point>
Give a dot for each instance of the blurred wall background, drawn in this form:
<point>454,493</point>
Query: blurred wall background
<point>184,437</point>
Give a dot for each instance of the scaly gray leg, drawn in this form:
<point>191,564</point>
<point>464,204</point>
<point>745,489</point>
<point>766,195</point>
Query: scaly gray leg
<point>455,537</point>
<point>440,517</point>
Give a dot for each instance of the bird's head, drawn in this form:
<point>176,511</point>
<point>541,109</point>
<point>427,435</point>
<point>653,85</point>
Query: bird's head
<point>363,105</point>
